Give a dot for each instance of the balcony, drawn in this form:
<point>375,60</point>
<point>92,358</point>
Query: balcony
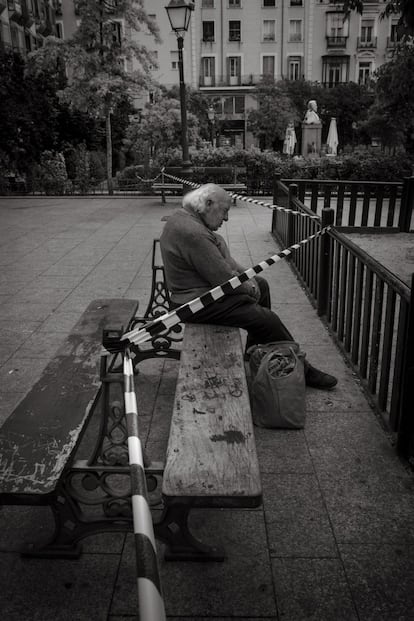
<point>392,42</point>
<point>362,44</point>
<point>336,42</point>
<point>224,81</point>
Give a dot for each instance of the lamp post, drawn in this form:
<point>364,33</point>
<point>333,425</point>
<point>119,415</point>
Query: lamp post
<point>211,117</point>
<point>179,14</point>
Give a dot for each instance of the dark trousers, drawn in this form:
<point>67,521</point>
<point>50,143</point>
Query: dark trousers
<point>241,311</point>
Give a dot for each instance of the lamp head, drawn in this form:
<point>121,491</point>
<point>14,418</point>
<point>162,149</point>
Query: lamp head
<point>179,14</point>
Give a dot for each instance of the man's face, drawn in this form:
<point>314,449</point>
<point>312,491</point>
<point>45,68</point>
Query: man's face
<point>217,210</point>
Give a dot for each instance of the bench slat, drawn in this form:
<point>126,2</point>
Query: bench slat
<point>211,456</point>
<point>38,438</point>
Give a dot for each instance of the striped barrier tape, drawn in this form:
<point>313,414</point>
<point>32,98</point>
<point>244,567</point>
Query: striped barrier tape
<point>150,601</point>
<point>247,199</point>
<point>186,311</point>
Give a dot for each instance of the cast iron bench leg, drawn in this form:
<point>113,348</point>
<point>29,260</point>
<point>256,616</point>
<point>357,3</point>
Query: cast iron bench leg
<point>173,529</point>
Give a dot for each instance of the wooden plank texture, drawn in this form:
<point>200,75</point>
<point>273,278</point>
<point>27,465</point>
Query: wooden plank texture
<point>38,438</point>
<point>211,456</point>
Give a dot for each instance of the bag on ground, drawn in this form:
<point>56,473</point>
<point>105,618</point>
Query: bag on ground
<point>278,385</point>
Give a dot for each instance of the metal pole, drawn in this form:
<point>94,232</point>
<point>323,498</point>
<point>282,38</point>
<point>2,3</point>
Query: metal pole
<point>183,102</point>
<point>324,262</point>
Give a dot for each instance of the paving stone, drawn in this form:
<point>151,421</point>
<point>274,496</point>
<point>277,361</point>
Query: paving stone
<point>348,443</point>
<point>381,578</point>
<point>241,586</point>
<point>19,374</point>
<point>297,522</point>
<point>72,591</point>
<point>312,590</point>
<point>370,508</point>
<point>282,451</point>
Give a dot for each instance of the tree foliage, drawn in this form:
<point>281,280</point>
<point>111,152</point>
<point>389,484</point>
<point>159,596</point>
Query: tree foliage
<point>275,110</point>
<point>392,115</point>
<point>403,8</point>
<point>160,129</point>
<point>96,56</point>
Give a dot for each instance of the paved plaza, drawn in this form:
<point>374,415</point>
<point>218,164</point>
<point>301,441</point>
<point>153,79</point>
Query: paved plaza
<point>334,538</point>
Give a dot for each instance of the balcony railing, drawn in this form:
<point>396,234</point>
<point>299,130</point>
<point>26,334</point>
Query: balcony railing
<point>336,41</point>
<point>392,42</point>
<point>223,81</point>
<point>363,44</point>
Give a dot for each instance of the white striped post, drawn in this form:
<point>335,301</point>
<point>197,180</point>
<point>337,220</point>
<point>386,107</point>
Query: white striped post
<point>150,601</point>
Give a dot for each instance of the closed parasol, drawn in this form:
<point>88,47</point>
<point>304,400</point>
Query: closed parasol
<point>332,140</point>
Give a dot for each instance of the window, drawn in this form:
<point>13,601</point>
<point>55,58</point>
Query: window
<point>395,33</point>
<point>234,70</point>
<point>295,30</point>
<point>116,32</point>
<point>364,72</point>
<point>296,3</point>
<point>268,64</point>
<point>239,104</point>
<point>336,25</point>
<point>269,3</point>
<point>174,60</point>
<point>207,4</point>
<point>367,29</point>
<point>268,30</point>
<point>335,70</point>
<point>232,105</point>
<point>208,31</point>
<point>234,4</point>
<point>59,30</point>
<point>234,31</point>
<point>295,68</point>
<point>208,66</point>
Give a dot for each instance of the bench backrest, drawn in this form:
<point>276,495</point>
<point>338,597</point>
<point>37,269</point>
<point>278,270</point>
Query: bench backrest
<point>39,437</point>
<point>211,450</point>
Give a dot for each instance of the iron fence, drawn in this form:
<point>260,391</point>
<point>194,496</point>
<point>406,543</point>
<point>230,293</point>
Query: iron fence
<point>369,311</point>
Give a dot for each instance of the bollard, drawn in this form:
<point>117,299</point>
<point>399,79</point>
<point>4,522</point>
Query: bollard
<point>290,228</point>
<point>324,261</point>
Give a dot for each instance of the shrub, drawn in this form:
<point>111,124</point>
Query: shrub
<point>50,175</point>
<point>82,179</point>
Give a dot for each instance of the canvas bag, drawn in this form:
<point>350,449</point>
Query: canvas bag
<point>278,385</point>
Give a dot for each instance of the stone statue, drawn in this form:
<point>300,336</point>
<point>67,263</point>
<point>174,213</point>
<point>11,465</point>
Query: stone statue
<point>311,115</point>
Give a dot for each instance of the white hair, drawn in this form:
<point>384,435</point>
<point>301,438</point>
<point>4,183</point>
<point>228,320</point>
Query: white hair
<point>196,200</point>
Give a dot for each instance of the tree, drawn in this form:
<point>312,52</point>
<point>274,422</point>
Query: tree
<point>392,115</point>
<point>275,110</point>
<point>160,129</point>
<point>197,103</point>
<point>96,56</point>
<point>403,8</point>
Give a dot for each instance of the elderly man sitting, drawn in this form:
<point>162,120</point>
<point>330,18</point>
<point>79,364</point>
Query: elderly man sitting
<point>197,259</point>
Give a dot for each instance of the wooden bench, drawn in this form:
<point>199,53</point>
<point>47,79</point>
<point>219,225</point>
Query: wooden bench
<point>211,457</point>
<point>39,439</point>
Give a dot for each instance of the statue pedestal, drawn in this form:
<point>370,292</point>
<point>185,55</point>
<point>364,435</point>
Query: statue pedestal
<point>311,139</point>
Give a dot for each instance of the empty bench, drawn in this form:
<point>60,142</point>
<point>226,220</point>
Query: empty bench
<point>211,458</point>
<point>39,439</point>
<point>226,177</point>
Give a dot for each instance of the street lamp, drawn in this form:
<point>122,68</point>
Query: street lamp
<point>211,117</point>
<point>179,14</point>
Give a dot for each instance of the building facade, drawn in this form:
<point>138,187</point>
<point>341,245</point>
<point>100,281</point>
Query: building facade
<point>232,44</point>
<point>25,23</point>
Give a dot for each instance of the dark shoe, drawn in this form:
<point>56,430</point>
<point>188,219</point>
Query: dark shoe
<point>318,379</point>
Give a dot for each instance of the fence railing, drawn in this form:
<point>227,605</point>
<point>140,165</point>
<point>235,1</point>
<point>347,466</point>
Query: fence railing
<point>369,311</point>
<point>356,203</point>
